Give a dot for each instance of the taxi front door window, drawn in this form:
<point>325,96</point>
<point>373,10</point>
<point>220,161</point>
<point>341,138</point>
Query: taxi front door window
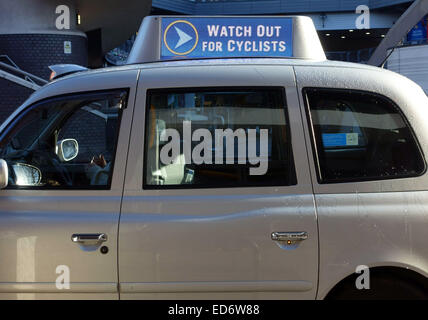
<point>32,148</point>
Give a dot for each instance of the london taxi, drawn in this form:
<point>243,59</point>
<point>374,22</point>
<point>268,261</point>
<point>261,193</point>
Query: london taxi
<point>227,159</point>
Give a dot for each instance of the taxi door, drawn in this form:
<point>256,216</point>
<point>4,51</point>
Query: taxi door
<point>212,213</point>
<point>59,214</point>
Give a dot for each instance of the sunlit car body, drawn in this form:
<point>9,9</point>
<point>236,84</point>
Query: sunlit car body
<point>325,206</point>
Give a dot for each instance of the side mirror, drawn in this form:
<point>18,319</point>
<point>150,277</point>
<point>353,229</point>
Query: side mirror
<point>67,149</point>
<point>26,174</point>
<point>4,174</point>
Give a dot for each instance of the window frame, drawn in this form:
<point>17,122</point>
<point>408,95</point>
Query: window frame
<point>315,144</point>
<point>64,97</point>
<point>282,95</point>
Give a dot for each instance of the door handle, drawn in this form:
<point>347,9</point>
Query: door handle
<point>89,237</point>
<point>289,236</point>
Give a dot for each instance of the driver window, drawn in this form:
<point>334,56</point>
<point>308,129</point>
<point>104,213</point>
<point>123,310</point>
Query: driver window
<point>64,143</point>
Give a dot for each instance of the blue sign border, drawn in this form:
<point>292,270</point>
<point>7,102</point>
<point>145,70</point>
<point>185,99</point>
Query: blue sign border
<point>224,37</point>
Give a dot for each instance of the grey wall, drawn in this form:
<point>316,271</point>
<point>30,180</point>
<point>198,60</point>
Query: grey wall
<point>410,62</point>
<point>34,53</point>
<point>29,37</point>
<point>33,16</point>
<point>11,96</point>
<point>118,20</point>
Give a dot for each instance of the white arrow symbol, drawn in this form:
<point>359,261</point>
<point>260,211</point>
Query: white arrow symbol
<point>184,37</point>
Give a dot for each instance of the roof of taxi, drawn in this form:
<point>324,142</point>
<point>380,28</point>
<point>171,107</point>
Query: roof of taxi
<point>235,62</point>
<point>243,62</point>
<point>297,45</point>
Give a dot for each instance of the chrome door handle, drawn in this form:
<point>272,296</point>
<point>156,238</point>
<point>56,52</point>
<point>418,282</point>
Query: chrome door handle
<point>89,237</point>
<point>289,236</point>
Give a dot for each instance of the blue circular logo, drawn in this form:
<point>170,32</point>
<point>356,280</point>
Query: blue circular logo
<point>181,37</point>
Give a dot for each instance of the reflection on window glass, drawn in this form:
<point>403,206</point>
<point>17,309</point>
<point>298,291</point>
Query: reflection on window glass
<point>65,143</point>
<point>217,138</point>
<point>361,136</point>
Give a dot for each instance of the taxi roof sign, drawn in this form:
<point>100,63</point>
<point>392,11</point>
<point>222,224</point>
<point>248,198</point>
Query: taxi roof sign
<point>166,38</point>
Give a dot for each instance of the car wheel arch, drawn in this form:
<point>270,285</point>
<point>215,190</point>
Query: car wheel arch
<point>396,273</point>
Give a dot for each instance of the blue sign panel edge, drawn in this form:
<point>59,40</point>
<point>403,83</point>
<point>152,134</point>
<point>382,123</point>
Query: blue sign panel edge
<point>219,37</point>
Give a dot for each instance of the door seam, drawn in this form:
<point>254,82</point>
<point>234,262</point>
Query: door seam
<point>124,182</point>
<point>301,104</point>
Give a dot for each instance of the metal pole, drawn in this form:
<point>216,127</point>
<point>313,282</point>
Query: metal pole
<point>399,30</point>
<point>14,69</point>
<point>18,80</point>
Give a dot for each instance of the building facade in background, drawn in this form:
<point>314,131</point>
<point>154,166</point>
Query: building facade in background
<point>30,40</point>
<point>410,57</point>
<point>338,21</point>
<point>35,34</point>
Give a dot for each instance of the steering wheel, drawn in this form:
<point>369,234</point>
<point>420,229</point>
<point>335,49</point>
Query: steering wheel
<point>50,166</point>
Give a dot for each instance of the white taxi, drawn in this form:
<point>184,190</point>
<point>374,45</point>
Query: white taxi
<point>227,160</point>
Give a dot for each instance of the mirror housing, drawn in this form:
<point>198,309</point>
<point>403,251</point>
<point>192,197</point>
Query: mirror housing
<point>67,149</point>
<point>4,174</point>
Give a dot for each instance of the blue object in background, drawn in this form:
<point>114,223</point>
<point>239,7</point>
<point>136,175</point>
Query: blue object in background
<point>334,139</point>
<point>226,37</point>
<point>418,32</point>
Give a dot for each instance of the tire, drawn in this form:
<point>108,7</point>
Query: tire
<point>382,287</point>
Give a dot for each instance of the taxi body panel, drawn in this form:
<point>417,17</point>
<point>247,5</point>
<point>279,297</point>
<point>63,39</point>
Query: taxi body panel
<point>373,223</point>
<point>37,225</point>
<point>216,242</point>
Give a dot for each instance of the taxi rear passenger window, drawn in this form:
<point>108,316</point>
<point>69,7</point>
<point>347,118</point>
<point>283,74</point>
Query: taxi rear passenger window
<point>217,138</point>
<point>361,136</point>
